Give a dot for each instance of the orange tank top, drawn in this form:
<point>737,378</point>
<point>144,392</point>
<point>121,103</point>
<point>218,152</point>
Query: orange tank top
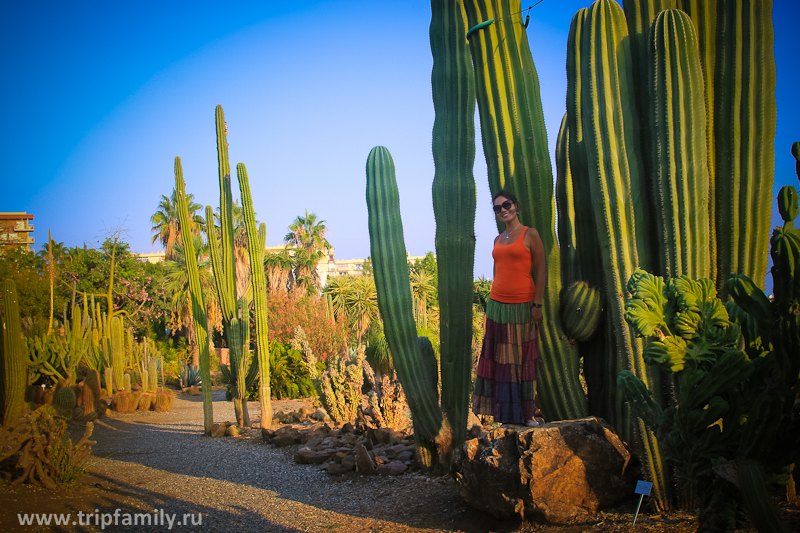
<point>513,282</point>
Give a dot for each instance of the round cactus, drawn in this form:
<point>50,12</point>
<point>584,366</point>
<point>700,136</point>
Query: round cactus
<point>581,309</point>
<point>64,399</point>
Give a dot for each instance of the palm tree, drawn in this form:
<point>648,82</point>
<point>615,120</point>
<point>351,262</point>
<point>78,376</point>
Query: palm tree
<point>422,291</point>
<point>309,233</point>
<point>338,288</point>
<point>166,225</point>
<point>278,267</point>
<point>177,290</point>
<point>362,305</point>
<point>305,268</point>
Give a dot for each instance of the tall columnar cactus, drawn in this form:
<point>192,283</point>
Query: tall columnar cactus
<point>621,204</point>
<point>454,199</point>
<point>515,145</point>
<point>235,307</point>
<point>679,154</point>
<point>256,244</point>
<point>152,372</point>
<point>13,367</point>
<point>196,295</point>
<point>416,368</point>
<point>108,375</point>
<point>744,126</point>
<point>117,351</point>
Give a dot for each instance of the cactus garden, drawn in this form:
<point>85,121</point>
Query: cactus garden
<point>213,360</point>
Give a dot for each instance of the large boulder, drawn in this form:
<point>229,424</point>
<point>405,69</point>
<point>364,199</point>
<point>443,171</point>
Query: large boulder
<point>556,472</point>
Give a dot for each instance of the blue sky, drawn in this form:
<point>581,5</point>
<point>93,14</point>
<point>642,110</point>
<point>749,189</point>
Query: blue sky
<point>101,96</point>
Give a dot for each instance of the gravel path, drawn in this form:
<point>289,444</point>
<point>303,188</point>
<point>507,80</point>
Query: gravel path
<point>161,461</point>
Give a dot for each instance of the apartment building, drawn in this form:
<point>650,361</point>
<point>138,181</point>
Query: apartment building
<point>16,229</point>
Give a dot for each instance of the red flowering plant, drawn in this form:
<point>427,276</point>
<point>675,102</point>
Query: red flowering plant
<point>325,335</point>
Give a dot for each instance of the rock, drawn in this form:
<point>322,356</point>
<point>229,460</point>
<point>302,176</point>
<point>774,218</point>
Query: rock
<point>364,463</point>
<point>404,456</point>
<point>556,472</point>
<point>349,462</point>
<point>395,468</point>
<point>267,434</point>
<point>337,469</point>
<point>232,431</point>
<point>304,456</point>
<point>348,428</point>
<point>286,436</point>
<point>218,430</point>
<point>472,420</point>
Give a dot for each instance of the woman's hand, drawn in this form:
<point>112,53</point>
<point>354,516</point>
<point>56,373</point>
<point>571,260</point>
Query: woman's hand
<point>536,315</point>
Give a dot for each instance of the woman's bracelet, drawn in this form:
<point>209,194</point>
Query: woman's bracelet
<point>538,306</point>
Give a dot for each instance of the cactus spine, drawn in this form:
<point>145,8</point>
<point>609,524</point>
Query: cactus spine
<point>515,145</point>
<point>256,243</point>
<point>454,199</point>
<point>680,155</point>
<point>388,251</point>
<point>233,305</point>
<point>13,367</point>
<point>196,292</point>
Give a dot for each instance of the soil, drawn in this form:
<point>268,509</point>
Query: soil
<point>434,504</point>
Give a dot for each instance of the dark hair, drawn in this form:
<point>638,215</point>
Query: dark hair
<point>507,194</point>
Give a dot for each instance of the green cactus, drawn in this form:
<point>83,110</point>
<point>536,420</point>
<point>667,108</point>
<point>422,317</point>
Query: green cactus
<point>744,126</point>
<point>108,375</point>
<point>126,383</point>
<point>256,244</point>
<point>152,372</point>
<point>581,310</point>
<point>196,292</point>
<point>117,351</point>
<point>64,400</point>
<point>233,305</point>
<point>13,368</point>
<point>454,198</point>
<point>679,152</point>
<point>390,268</point>
<point>515,146</point>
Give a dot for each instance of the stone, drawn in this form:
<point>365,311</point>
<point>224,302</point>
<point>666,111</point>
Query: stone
<point>285,436</point>
<point>556,472</point>
<point>267,434</point>
<point>349,462</point>
<point>404,456</point>
<point>304,456</point>
<point>218,430</point>
<point>337,469</point>
<point>364,462</point>
<point>472,420</point>
<point>231,431</point>
<point>348,428</point>
<point>395,468</point>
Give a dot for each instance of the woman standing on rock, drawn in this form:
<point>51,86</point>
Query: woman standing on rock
<point>506,384</point>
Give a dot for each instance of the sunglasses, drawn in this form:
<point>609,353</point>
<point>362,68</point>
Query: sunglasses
<point>505,205</point>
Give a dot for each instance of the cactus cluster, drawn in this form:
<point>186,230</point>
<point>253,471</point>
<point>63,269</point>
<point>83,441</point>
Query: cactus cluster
<point>734,410</point>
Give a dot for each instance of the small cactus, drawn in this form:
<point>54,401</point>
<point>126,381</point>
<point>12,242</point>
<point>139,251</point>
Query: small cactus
<point>64,400</point>
<point>126,383</point>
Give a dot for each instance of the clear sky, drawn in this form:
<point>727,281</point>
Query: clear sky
<point>99,97</point>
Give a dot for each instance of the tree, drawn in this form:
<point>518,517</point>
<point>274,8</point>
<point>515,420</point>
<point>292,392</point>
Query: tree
<point>178,294</point>
<point>279,269</point>
<point>309,233</point>
<point>165,222</point>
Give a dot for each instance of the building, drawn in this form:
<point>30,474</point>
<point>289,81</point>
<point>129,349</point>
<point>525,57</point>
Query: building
<point>16,230</point>
<point>327,267</point>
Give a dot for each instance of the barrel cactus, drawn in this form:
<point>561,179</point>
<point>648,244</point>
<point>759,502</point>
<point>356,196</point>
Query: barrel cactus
<point>581,311</point>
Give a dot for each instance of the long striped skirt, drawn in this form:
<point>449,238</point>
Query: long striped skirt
<point>507,371</point>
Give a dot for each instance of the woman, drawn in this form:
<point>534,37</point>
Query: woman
<point>506,384</point>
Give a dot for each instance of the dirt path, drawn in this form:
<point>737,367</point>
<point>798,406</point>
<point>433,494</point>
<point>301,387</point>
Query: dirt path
<point>147,464</point>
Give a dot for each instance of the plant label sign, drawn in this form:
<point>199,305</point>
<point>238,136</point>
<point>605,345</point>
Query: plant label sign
<point>643,488</point>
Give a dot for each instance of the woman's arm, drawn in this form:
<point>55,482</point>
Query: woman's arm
<point>534,242</point>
